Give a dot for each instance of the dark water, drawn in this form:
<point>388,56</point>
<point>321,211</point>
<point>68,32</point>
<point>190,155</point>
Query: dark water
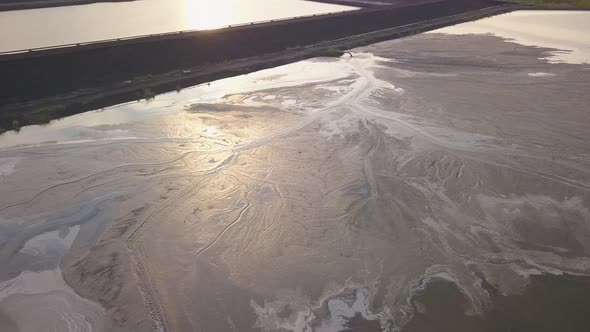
<point>550,303</point>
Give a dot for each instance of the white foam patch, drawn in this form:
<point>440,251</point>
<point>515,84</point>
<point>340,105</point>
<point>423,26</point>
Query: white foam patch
<point>289,102</point>
<point>540,74</point>
<point>342,309</point>
<point>7,166</point>
<point>329,88</point>
<point>337,127</point>
<point>50,242</point>
<point>562,30</point>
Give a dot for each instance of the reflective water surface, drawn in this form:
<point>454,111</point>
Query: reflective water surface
<point>566,31</point>
<point>26,29</point>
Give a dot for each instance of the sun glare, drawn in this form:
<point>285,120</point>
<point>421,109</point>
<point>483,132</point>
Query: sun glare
<point>201,14</point>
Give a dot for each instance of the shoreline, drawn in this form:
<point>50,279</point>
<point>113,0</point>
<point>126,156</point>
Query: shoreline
<point>40,111</point>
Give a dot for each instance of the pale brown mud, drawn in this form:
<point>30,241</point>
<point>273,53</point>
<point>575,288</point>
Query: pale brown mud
<point>324,204</point>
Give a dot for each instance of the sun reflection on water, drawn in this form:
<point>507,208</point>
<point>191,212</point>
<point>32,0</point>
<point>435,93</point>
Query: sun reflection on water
<point>214,14</point>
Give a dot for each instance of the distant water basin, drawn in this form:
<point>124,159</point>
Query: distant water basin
<point>24,29</point>
<point>566,31</point>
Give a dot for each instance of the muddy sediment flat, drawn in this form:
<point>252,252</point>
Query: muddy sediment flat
<point>325,195</point>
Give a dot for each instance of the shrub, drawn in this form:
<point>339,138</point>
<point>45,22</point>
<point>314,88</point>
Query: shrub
<point>144,78</point>
<point>148,94</point>
<point>47,113</point>
<point>16,125</point>
<point>331,52</point>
